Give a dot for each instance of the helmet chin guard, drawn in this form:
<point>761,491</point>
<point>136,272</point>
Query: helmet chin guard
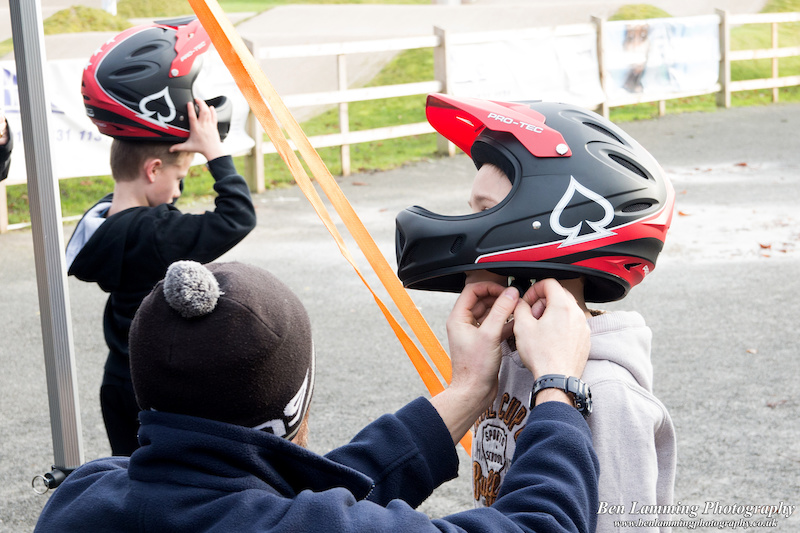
<point>586,201</point>
<point>138,84</point>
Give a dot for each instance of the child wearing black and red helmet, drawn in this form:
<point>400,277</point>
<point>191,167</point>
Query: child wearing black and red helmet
<point>138,89</point>
<point>560,193</point>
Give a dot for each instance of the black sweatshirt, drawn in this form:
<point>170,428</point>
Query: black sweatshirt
<point>131,250</point>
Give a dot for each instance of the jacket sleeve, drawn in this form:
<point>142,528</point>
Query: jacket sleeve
<point>205,237</point>
<point>407,454</point>
<point>552,483</point>
<point>551,486</point>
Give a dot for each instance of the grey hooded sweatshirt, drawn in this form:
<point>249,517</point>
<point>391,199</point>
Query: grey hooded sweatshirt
<point>632,431</point>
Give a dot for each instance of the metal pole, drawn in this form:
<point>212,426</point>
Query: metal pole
<point>48,240</point>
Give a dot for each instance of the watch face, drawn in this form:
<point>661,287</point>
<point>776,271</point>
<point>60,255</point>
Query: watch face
<point>587,401</point>
<point>582,395</point>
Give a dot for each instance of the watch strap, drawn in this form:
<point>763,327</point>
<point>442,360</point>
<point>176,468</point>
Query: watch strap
<point>581,394</point>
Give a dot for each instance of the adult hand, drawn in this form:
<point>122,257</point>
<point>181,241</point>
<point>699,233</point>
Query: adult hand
<point>551,331</point>
<point>203,132</point>
<point>475,328</point>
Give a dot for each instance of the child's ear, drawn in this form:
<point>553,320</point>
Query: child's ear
<point>151,168</point>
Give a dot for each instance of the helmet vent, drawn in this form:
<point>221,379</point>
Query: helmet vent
<point>407,257</point>
<point>603,130</point>
<point>633,208</point>
<point>457,244</point>
<point>133,70</point>
<point>630,165</point>
<point>144,50</point>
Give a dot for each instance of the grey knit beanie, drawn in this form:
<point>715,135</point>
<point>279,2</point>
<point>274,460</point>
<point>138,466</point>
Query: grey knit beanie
<point>227,342</point>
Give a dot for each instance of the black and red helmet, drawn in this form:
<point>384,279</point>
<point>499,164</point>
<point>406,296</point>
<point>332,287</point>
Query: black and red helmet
<point>586,200</point>
<point>137,85</point>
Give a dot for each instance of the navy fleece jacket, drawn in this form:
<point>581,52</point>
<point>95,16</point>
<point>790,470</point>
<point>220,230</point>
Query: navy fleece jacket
<point>194,475</point>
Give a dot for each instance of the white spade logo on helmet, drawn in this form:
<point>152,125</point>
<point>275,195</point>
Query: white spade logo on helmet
<point>573,233</point>
<point>159,118</point>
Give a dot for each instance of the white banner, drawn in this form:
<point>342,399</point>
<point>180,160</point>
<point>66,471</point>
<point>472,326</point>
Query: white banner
<point>662,56</point>
<point>542,65</point>
<point>77,147</point>
<point>110,6</point>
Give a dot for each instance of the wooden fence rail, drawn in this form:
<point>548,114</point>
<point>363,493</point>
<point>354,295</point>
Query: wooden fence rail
<point>439,42</point>
<point>775,52</point>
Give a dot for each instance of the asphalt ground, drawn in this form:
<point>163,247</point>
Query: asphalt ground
<point>722,305</point>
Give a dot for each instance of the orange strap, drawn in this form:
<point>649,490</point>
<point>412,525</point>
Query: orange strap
<point>262,97</point>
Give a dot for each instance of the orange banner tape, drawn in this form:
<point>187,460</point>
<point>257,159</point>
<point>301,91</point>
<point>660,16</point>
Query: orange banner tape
<point>262,97</point>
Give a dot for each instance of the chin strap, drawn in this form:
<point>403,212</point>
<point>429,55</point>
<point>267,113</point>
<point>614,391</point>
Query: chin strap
<point>262,97</point>
<point>521,284</point>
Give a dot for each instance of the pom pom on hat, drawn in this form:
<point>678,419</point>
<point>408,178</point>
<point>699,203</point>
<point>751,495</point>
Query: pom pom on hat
<point>191,289</point>
<point>227,342</point>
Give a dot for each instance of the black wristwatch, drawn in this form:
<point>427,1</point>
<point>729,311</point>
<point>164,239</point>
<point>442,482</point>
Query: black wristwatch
<point>581,395</point>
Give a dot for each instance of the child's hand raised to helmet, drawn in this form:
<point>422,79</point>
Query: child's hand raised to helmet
<point>203,132</point>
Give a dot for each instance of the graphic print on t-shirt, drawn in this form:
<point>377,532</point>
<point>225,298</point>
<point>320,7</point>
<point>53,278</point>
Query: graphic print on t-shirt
<point>493,446</point>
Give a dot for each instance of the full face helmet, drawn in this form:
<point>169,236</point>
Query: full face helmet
<point>586,200</point>
<point>138,84</point>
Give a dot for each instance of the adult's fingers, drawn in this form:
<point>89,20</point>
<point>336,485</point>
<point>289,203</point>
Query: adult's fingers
<point>557,341</point>
<point>475,300</point>
<point>536,303</point>
<point>502,310</point>
<point>546,288</point>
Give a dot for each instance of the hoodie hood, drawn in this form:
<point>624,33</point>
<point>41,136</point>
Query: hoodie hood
<point>89,224</point>
<point>622,337</point>
<point>95,251</point>
<point>114,253</point>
